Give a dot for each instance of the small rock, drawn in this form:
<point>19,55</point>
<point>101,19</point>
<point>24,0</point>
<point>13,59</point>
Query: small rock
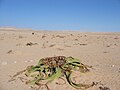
<point>52,45</point>
<point>31,60</point>
<point>108,46</point>
<point>119,70</point>
<point>83,44</point>
<point>105,52</point>
<point>113,65</point>
<point>30,44</point>
<point>33,33</point>
<point>116,38</point>
<point>85,35</point>
<point>60,36</point>
<point>104,88</point>
<point>43,36</point>
<point>10,51</point>
<point>15,61</point>
<point>76,39</point>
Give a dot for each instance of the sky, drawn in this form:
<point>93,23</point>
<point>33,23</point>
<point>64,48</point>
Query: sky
<point>82,15</point>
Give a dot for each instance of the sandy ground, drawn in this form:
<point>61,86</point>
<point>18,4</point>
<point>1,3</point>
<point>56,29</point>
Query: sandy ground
<point>99,50</point>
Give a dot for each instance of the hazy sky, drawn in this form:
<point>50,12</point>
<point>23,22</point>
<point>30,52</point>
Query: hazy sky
<point>88,15</point>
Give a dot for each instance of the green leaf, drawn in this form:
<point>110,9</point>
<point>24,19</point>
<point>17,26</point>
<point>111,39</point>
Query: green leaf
<point>55,75</point>
<point>77,86</point>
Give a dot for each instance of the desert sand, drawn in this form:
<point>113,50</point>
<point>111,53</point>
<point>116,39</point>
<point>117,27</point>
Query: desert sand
<point>99,50</point>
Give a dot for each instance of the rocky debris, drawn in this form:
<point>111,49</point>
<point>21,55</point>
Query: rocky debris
<point>104,88</point>
<point>30,44</point>
<point>10,51</point>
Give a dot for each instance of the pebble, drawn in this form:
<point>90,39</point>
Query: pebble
<point>15,61</point>
<point>26,61</point>
<point>31,60</point>
<point>4,63</point>
<point>113,65</point>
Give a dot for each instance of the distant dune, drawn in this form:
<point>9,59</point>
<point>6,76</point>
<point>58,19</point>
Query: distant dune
<point>13,28</point>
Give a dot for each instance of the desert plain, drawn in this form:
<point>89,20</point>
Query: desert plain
<point>20,48</point>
